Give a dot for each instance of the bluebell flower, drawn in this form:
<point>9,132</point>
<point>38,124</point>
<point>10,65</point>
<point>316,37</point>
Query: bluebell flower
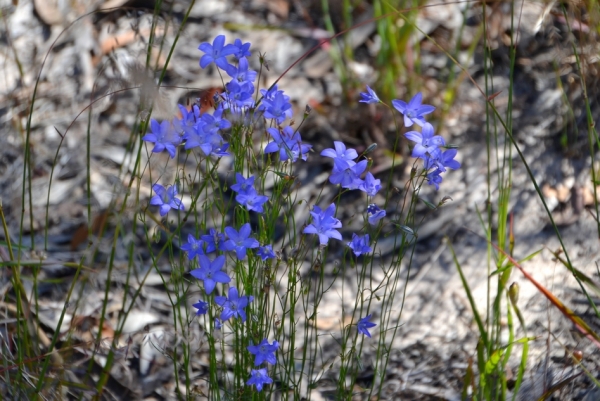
<point>202,307</point>
<point>243,50</point>
<point>266,252</point>
<point>165,198</point>
<point>437,163</point>
<point>370,185</point>
<point>252,201</point>
<point>264,352</point>
<point>213,123</point>
<point>374,214</point>
<point>360,244</point>
<point>340,152</point>
<point>218,324</point>
<point>242,73</point>
<point>426,142</point>
<point>442,161</point>
<point>234,305</point>
<point>188,119</point>
<point>194,247</point>
<point>277,107</point>
<point>216,53</point>
<point>413,111</point>
<point>196,137</point>
<point>214,240</point>
<point>324,224</point>
<point>270,94</point>
<point>239,241</point>
<point>219,147</point>
<point>209,141</point>
<point>369,97</point>
<point>434,178</point>
<point>259,378</point>
<point>238,96</point>
<point>210,272</point>
<point>346,174</point>
<point>243,185</point>
<point>288,143</point>
<point>163,136</point>
<point>364,325</point>
<point>221,150</point>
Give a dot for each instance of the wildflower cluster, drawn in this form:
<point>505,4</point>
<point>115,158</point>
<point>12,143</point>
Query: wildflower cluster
<point>263,352</point>
<point>206,134</point>
<point>347,173</point>
<point>427,144</point>
<point>247,195</point>
<point>192,130</point>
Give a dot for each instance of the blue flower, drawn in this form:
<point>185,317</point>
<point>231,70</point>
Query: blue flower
<point>374,214</point>
<point>165,198</point>
<point>216,52</point>
<point>193,247</point>
<point>324,224</point>
<point>444,160</point>
<point>238,96</point>
<point>264,352</point>
<point>214,240</point>
<point>243,185</point>
<point>364,325</point>
<point>188,119</point>
<point>234,306</point>
<point>414,110</point>
<point>340,152</point>
<point>204,134</point>
<point>288,143</point>
<point>347,174</point>
<point>239,241</point>
<point>266,252</point>
<point>369,97</point>
<point>163,136</point>
<point>434,178</point>
<point>221,150</point>
<point>259,378</point>
<point>437,163</point>
<point>241,73</point>
<point>202,307</point>
<point>252,201</point>
<point>269,94</point>
<point>370,185</point>
<point>210,272</point>
<point>195,137</point>
<point>360,245</point>
<point>426,142</point>
<point>218,324</point>
<point>215,122</point>
<point>243,50</point>
<point>277,107</point>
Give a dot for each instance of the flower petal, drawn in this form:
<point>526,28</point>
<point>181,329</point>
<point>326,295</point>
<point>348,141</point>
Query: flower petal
<point>399,105</point>
<point>245,230</point>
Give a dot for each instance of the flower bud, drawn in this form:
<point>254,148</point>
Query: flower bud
<point>371,148</point>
